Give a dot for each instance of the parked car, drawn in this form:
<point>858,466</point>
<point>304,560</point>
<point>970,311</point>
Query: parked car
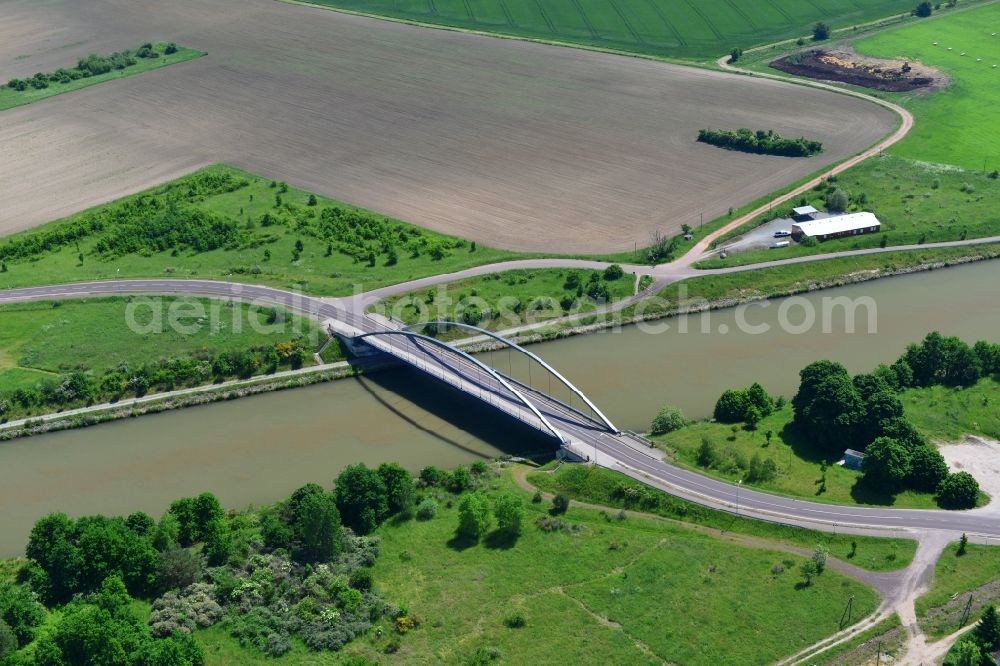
<point>779,244</point>
<point>782,233</point>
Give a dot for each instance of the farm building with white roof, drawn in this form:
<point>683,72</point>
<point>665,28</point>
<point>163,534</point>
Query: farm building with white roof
<point>837,226</point>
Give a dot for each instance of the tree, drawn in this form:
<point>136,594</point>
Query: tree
<point>927,469</point>
<point>837,200</point>
<point>810,378</point>
<point>987,632</point>
<point>318,535</point>
<point>821,31</point>
<point>760,399</point>
<point>819,557</point>
<point>509,512</point>
<point>834,413</point>
<point>179,567</point>
<point>887,463</point>
<point>668,419</point>
<point>167,532</point>
<point>8,641</point>
<point>20,612</point>
<point>732,406</point>
<point>362,498</point>
<point>967,653</point>
<point>752,417</point>
<point>399,487</point>
<point>761,470</point>
<point>963,545</point>
<point>808,570</point>
<point>613,272</point>
<point>924,9</point>
<point>958,491</point>
<point>474,516</point>
<point>706,452</point>
<point>218,542</point>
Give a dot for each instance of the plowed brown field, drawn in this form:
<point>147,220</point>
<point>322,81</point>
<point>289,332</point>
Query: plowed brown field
<point>512,144</point>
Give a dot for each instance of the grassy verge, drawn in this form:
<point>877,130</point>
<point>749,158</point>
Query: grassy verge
<point>800,473</point>
<point>950,413</point>
<point>917,202</point>
<point>608,488</point>
<point>730,289</point>
<point>886,639</point>
<point>611,587</point>
<point>940,609</point>
<point>10,98</point>
<point>513,298</point>
<point>224,223</point>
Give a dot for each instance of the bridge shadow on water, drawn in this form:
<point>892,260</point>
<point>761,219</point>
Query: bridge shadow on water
<point>468,414</point>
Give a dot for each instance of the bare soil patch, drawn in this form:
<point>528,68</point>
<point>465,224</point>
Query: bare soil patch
<point>980,457</point>
<point>844,65</point>
<point>512,144</point>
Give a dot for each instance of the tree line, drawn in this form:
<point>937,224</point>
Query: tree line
<point>761,142</point>
<point>83,388</point>
<point>835,411</point>
<point>91,65</point>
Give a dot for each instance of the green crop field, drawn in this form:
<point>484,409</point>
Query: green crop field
<point>957,126</point>
<point>10,98</point>
<point>688,29</point>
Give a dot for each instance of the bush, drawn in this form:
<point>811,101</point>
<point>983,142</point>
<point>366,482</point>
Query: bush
<point>761,142</point>
<point>427,509</point>
<point>560,503</point>
<point>613,272</point>
<point>183,612</point>
<point>20,612</point>
<point>821,31</point>
<point>515,620</point>
<point>732,406</point>
<point>958,491</point>
<point>361,579</point>
<point>8,641</point>
<point>474,516</point>
<point>667,420</point>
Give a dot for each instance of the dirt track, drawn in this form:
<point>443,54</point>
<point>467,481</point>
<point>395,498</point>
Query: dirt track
<point>512,144</point>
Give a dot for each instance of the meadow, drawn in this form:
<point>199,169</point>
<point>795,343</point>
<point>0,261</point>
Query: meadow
<point>684,29</point>
<point>10,98</point>
<point>956,126</point>
<point>582,579</point>
<point>39,340</point>
<point>950,413</point>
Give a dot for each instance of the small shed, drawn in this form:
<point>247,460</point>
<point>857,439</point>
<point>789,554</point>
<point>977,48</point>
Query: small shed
<point>853,459</point>
<point>804,212</point>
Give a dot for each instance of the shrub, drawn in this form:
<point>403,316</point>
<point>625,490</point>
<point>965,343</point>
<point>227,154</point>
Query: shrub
<point>474,516</point>
<point>171,49</point>
<point>668,419</point>
<point>8,641</point>
<point>515,620</point>
<point>483,656</point>
<point>184,612</point>
<point>613,272</point>
<point>560,503</point>
<point>427,509</point>
<point>361,579</point>
<point>537,497</point>
<point>20,612</point>
<point>821,31</point>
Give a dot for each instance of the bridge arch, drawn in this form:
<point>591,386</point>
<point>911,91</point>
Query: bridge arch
<point>512,345</point>
<point>482,366</point>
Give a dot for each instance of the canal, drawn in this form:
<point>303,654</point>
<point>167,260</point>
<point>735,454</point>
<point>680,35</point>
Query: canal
<point>258,449</point>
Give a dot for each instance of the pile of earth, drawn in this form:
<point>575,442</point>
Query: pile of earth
<point>848,67</point>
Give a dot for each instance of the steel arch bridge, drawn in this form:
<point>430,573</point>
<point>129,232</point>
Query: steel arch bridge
<point>512,386</point>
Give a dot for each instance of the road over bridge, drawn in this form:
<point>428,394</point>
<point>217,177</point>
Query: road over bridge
<point>583,431</point>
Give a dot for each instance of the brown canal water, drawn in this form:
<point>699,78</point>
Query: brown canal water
<point>259,449</point>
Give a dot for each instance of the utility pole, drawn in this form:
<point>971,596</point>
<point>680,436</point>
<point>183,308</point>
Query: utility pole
<point>966,612</point>
<point>878,654</point>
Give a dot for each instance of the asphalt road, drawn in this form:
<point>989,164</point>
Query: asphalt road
<point>609,449</point>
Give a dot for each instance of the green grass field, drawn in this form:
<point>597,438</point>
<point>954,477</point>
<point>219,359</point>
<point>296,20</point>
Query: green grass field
<point>939,609</point>
<point>688,29</point>
<point>958,125</point>
<point>949,413</point>
<point>613,588</point>
<point>507,299</point>
<point>10,98</point>
<point>799,474</point>
<point>604,487</point>
<point>47,339</point>
<point>268,257</point>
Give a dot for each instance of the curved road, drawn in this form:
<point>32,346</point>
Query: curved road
<point>609,449</point>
